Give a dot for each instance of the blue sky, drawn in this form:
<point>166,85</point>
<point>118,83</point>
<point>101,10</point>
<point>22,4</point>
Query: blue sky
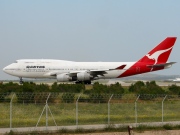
<point>86,30</point>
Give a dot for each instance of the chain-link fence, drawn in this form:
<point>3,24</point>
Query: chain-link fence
<point>61,109</point>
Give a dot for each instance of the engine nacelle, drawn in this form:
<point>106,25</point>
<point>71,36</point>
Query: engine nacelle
<point>83,76</point>
<point>63,78</point>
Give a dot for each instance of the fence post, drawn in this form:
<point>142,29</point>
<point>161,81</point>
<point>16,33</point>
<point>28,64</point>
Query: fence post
<point>47,111</point>
<point>77,110</point>
<point>136,109</point>
<point>163,108</point>
<point>11,111</point>
<point>109,109</point>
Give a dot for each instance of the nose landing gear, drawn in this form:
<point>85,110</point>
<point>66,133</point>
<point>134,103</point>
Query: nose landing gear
<point>21,80</point>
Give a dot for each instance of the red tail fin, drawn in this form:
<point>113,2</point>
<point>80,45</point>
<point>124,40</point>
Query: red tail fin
<point>160,53</point>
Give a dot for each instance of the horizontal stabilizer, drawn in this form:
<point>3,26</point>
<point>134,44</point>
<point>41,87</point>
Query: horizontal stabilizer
<point>161,65</point>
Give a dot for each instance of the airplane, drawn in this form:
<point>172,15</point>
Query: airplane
<point>85,72</point>
<point>176,80</point>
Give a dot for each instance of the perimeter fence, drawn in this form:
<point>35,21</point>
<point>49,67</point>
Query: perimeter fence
<point>62,109</point>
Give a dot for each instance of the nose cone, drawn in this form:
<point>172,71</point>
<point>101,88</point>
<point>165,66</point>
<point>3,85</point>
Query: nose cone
<point>11,69</point>
<point>8,69</point>
<point>4,69</point>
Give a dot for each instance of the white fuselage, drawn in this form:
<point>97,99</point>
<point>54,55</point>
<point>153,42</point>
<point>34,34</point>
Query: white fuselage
<point>46,68</point>
<point>176,80</point>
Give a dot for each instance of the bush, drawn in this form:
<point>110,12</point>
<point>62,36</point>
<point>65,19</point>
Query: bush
<point>112,89</point>
<point>135,88</point>
<point>25,97</point>
<point>98,98</point>
<point>174,89</point>
<point>71,88</point>
<point>68,97</point>
<point>149,88</point>
<point>168,127</point>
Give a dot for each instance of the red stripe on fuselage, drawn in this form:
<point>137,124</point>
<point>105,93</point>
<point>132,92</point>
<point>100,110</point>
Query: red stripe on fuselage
<point>139,68</point>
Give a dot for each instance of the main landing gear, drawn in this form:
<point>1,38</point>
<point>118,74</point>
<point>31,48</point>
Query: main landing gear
<point>21,80</point>
<point>83,82</point>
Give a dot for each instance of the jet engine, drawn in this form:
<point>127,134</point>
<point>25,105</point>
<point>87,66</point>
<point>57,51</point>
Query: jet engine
<point>83,76</point>
<point>63,78</point>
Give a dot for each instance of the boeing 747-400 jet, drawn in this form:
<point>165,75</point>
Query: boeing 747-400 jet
<point>85,72</point>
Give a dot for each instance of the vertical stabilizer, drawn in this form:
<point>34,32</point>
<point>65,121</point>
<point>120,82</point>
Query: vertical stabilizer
<point>160,53</point>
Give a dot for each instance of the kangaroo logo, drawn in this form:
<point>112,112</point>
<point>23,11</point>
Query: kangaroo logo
<point>156,55</point>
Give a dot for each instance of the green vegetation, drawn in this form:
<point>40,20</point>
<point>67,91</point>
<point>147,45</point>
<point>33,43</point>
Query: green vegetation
<point>29,101</point>
<point>121,111</point>
<point>28,92</point>
<point>138,88</point>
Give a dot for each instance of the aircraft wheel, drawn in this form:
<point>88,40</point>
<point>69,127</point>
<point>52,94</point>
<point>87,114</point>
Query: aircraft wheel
<point>21,80</point>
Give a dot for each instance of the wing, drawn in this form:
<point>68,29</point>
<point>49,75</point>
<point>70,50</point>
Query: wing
<point>93,73</point>
<point>101,72</point>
